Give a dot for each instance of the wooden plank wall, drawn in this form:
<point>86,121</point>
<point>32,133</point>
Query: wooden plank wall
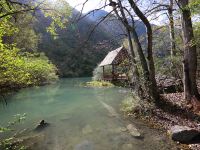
<point>198,64</point>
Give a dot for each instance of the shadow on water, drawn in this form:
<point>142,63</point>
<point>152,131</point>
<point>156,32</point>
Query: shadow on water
<point>3,100</point>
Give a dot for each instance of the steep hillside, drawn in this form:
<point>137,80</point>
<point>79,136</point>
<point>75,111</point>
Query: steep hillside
<point>72,52</point>
<point>113,27</point>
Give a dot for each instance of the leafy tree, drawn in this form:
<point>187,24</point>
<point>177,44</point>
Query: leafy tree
<point>18,67</point>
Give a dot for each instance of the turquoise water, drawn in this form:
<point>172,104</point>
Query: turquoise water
<point>81,118</point>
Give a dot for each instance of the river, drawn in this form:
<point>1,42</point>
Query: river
<point>80,118</point>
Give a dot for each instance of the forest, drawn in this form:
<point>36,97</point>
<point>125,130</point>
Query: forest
<point>126,70</point>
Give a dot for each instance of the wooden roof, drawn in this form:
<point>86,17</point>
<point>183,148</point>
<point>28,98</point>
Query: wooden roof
<point>111,56</point>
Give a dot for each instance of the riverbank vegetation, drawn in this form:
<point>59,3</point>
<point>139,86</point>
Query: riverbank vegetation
<point>21,64</point>
<point>9,129</point>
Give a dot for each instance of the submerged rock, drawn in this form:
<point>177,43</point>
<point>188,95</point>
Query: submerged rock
<point>87,129</point>
<point>120,129</point>
<point>127,147</point>
<point>41,126</point>
<point>133,130</point>
<point>85,145</point>
<point>184,134</point>
<point>117,130</point>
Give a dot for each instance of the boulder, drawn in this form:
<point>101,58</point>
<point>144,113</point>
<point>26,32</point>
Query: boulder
<point>168,84</point>
<point>183,134</point>
<point>133,130</point>
<point>41,126</point>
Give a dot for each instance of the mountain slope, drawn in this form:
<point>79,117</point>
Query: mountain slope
<point>73,56</point>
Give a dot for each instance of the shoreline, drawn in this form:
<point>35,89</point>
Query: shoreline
<point>171,111</point>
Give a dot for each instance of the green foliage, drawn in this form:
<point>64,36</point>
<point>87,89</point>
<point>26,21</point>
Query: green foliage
<point>20,64</point>
<point>21,69</point>
<point>40,69</point>
<point>99,84</point>
<point>26,38</point>
<point>130,104</point>
<point>7,143</point>
<point>194,6</point>
<point>197,34</point>
<point>2,129</point>
<point>169,66</point>
<point>58,11</point>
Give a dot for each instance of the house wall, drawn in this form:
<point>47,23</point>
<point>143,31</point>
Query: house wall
<point>198,64</point>
<point>122,55</point>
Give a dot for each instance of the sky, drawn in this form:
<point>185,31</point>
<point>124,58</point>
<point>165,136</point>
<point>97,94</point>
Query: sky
<point>90,5</point>
<point>93,4</point>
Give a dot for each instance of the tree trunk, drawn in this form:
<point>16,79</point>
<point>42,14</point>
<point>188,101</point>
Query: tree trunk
<point>172,29</point>
<point>136,77</point>
<point>152,82</point>
<point>132,55</point>
<point>136,41</point>
<point>131,50</point>
<point>138,47</point>
<point>140,53</point>
<point>190,53</point>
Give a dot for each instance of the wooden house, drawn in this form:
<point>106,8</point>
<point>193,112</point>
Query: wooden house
<point>114,60</point>
<point>198,64</point>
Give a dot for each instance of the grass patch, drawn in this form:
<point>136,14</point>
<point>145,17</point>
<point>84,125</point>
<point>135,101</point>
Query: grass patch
<point>129,104</point>
<point>99,84</point>
<point>134,106</point>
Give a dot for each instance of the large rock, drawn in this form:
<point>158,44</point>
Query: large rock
<point>168,84</point>
<point>183,134</point>
<point>41,126</point>
<point>133,130</point>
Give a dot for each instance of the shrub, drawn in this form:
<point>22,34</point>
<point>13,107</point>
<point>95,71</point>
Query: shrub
<point>132,105</point>
<point>20,70</point>
<point>99,84</point>
<point>129,105</point>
